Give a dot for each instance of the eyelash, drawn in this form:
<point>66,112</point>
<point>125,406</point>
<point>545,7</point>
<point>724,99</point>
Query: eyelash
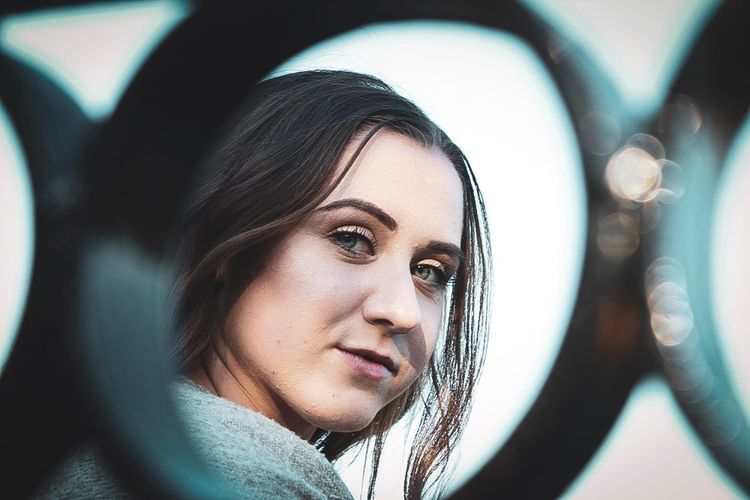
<point>444,277</point>
<point>359,233</point>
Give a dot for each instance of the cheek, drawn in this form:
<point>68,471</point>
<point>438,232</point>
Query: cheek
<point>330,291</point>
<point>433,324</point>
<point>307,279</point>
<point>422,347</point>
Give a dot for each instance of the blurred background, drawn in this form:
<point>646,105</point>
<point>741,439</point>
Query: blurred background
<point>498,102</point>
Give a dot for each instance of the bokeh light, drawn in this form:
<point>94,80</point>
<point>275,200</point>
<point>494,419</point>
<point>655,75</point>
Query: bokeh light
<point>671,315</point>
<point>633,174</point>
<point>673,328</point>
<point>672,182</point>
<point>641,180</point>
<point>600,132</point>
<point>686,366</point>
<point>679,120</point>
<point>638,173</point>
<point>617,235</point>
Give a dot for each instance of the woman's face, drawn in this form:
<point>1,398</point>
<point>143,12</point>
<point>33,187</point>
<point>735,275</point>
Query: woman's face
<point>345,313</point>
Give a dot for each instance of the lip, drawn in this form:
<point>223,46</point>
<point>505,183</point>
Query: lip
<point>370,363</point>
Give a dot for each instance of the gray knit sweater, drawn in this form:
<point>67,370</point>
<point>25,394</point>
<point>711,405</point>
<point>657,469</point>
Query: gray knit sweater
<point>255,455</point>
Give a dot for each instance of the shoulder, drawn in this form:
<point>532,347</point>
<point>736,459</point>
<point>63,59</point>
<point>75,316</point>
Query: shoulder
<point>252,452</point>
<point>83,475</point>
<point>257,457</point>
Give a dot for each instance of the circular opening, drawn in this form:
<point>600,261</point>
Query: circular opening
<point>17,221</point>
<point>491,94</point>
<point>494,98</point>
<point>730,280</point>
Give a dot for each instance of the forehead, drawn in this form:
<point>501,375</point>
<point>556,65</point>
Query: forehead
<point>418,187</point>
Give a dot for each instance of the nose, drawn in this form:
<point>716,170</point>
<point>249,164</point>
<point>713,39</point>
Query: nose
<point>393,303</point>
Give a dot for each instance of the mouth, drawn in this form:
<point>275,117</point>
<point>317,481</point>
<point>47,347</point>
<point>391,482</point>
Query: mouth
<point>373,357</point>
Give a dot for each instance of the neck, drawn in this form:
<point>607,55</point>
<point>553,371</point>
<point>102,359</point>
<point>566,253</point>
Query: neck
<point>222,375</point>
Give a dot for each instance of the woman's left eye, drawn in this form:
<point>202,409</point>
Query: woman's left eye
<point>430,274</point>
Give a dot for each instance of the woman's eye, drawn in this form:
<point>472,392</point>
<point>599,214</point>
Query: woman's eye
<point>430,274</point>
<point>353,242</point>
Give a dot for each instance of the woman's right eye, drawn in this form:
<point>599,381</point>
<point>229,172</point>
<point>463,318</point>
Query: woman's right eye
<point>353,240</point>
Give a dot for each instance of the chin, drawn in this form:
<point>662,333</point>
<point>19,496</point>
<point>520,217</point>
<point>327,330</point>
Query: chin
<point>353,418</point>
<point>344,423</point>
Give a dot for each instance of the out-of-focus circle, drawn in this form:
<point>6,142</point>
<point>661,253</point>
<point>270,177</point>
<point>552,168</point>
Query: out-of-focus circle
<point>679,120</point>
<point>730,265</point>
<point>16,225</point>
<point>633,174</point>
<point>650,216</point>
<point>686,371</point>
<point>617,235</point>
<point>493,97</point>
<point>672,182</point>
<point>662,270</point>
<point>600,133</point>
<point>671,320</point>
<point>722,422</point>
<point>647,143</point>
<point>667,290</point>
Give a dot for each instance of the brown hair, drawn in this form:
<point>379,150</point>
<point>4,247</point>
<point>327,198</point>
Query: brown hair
<point>274,168</point>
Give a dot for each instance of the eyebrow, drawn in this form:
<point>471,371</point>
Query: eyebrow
<point>364,206</point>
<point>446,248</point>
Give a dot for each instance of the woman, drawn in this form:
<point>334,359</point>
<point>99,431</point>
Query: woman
<point>334,276</point>
<point>337,228</point>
